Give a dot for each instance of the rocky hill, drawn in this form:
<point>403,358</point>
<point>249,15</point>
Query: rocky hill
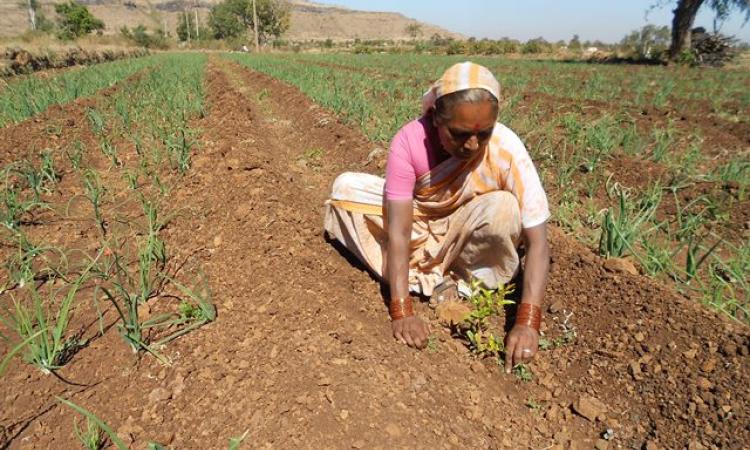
<point>308,20</point>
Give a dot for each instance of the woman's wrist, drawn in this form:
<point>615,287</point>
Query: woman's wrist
<point>400,308</point>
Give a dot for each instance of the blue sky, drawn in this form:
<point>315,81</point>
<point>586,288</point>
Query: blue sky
<point>606,20</point>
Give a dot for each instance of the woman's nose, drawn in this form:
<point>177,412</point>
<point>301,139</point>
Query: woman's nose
<point>472,143</point>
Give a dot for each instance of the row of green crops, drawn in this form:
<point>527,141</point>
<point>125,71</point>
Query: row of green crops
<point>579,121</point>
<point>142,140</point>
<point>32,95</point>
<point>632,86</point>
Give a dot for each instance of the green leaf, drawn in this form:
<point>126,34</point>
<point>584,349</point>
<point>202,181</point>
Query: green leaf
<point>112,435</point>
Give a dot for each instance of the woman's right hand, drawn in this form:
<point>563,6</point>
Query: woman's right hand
<point>411,330</point>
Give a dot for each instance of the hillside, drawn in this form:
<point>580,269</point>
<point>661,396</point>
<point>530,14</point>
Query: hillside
<point>308,20</point>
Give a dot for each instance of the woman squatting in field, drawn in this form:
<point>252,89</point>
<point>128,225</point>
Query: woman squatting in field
<point>460,195</point>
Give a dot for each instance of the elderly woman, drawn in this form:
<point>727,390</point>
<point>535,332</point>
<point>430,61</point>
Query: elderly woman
<point>460,195</point>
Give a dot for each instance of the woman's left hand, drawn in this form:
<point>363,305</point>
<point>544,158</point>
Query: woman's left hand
<point>521,345</point>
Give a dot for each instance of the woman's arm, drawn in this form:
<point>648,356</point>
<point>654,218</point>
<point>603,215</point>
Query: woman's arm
<point>523,340</point>
<point>400,214</point>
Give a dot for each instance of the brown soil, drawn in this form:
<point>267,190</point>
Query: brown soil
<point>301,353</point>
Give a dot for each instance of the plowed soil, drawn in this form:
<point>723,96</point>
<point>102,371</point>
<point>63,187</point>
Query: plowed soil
<point>301,354</point>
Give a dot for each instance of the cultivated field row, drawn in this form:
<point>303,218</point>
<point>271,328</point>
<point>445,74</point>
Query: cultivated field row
<point>645,162</point>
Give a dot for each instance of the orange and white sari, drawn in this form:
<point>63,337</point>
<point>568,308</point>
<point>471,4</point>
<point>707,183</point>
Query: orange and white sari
<point>468,215</point>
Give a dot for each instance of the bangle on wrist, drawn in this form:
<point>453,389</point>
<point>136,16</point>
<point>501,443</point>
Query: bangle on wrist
<point>529,315</point>
<point>400,308</point>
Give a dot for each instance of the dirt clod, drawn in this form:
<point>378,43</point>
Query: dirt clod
<point>620,265</point>
<point>589,407</point>
<point>452,312</point>
<point>159,394</point>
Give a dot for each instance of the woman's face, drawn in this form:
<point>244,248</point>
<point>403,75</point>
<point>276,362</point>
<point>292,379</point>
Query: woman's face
<point>470,129</point>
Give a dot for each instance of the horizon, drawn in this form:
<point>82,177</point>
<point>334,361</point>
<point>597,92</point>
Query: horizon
<point>591,20</point>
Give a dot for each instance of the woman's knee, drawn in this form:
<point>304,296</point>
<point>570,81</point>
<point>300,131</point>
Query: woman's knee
<point>501,212</point>
<point>343,185</point>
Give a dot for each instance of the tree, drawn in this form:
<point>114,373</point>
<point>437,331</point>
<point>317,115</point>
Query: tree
<point>37,19</point>
<point>575,43</point>
<point>224,22</point>
<point>186,27</point>
<point>647,42</point>
<point>142,37</point>
<point>32,6</point>
<point>684,17</point>
<point>76,20</point>
<point>413,30</point>
<point>233,17</point>
<point>273,18</point>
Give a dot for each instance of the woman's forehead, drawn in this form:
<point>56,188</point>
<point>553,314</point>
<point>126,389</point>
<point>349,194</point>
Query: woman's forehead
<point>473,116</point>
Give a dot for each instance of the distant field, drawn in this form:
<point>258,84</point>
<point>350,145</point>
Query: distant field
<point>652,163</point>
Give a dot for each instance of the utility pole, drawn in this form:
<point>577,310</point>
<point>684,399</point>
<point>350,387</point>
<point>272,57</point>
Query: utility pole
<point>255,24</point>
<point>32,14</point>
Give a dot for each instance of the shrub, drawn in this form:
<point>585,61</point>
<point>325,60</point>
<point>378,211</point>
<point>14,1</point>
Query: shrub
<point>76,20</point>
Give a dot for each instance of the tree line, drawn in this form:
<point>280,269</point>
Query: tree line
<point>228,20</point>
<point>236,21</point>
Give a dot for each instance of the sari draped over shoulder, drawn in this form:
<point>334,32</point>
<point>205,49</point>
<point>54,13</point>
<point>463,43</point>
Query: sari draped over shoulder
<point>467,219</point>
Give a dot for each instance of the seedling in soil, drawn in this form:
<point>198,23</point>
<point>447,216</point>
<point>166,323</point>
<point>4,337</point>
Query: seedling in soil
<point>95,193</point>
<point>694,259</point>
<point>97,422</point>
<point>14,207</point>
<point>75,155</point>
<point>657,259</point>
<point>662,143</point>
<point>533,405</point>
<point>97,121</point>
<point>103,428</point>
<point>236,442</point>
<point>153,248</point>
<point>43,329</point>
<point>566,338</point>
<point>110,151</point>
<point>38,180</point>
<point>621,229</point>
<point>599,138</point>
<point>727,286</point>
<point>523,372</point>
<point>132,179</point>
<point>487,304</point>
<point>313,154</point>
<point>433,343</point>
<point>54,129</point>
<point>163,188</point>
<point>20,264</point>
<point>49,174</point>
<point>178,150</point>
<point>126,298</point>
<point>92,437</point>
<point>662,97</point>
<point>736,173</point>
<point>127,293</point>
<point>196,314</point>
